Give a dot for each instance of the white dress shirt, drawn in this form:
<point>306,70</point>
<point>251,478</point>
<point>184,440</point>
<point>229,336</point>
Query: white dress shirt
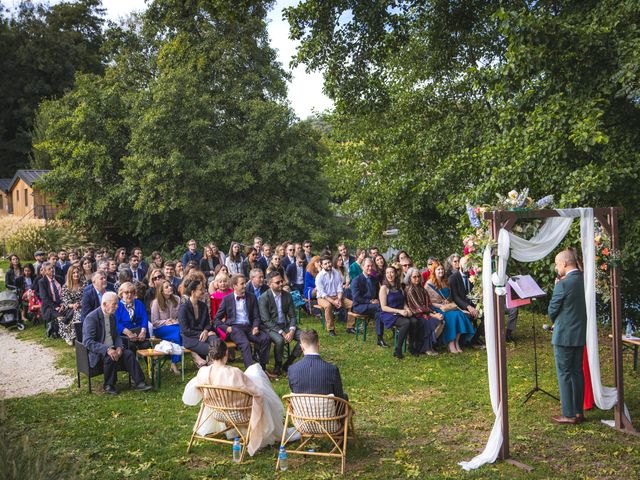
<point>328,284</point>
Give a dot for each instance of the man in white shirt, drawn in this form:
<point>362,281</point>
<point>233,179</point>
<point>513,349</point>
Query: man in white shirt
<point>330,295</point>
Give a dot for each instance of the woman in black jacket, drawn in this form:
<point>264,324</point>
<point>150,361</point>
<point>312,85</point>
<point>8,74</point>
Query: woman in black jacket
<point>13,272</point>
<point>195,323</point>
<point>208,263</point>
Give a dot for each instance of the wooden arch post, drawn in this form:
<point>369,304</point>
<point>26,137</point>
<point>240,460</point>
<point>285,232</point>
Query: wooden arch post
<point>608,218</point>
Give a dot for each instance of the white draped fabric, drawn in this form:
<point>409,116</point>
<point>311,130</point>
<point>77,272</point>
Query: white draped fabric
<point>546,240</point>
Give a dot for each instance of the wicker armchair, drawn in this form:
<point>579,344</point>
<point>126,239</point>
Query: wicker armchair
<point>229,406</point>
<point>319,417</point>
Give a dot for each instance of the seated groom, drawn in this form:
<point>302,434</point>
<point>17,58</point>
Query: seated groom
<point>279,319</point>
<point>312,374</point>
<point>238,316</point>
<point>100,337</point>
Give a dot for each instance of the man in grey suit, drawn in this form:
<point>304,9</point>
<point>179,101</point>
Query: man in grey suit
<point>312,374</point>
<point>279,320</point>
<point>100,337</point>
<point>568,310</point>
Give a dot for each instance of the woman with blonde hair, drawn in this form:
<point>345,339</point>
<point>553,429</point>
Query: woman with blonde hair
<point>72,300</point>
<point>223,288</point>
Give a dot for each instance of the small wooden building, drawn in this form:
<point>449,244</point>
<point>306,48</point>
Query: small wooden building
<point>26,200</point>
<point>6,205</point>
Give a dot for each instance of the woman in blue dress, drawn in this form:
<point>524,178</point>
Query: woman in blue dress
<point>395,313</point>
<point>456,324</point>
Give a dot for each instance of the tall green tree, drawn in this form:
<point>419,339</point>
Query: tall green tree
<point>439,103</point>
<point>41,49</point>
<point>190,125</point>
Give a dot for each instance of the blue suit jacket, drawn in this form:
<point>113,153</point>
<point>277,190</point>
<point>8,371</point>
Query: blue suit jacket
<point>90,301</point>
<point>141,274</point>
<point>315,376</point>
<point>363,292</point>
<point>286,261</point>
<point>93,334</point>
<point>140,318</point>
<point>292,272</point>
<point>263,263</point>
<point>250,289</point>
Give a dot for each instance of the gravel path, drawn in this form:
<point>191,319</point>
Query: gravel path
<point>27,368</point>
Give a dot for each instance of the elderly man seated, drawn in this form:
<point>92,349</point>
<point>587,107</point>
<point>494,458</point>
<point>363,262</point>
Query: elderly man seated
<point>101,338</point>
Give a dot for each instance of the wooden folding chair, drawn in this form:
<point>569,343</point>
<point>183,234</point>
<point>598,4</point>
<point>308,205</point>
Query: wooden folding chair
<point>229,406</point>
<point>318,417</point>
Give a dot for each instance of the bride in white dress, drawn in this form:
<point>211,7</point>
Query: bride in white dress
<point>267,411</point>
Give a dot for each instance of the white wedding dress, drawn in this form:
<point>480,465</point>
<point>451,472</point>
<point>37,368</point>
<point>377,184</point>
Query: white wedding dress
<point>267,413</point>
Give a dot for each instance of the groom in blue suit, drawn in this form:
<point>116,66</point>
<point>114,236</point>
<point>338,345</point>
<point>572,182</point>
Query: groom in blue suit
<point>312,374</point>
<point>568,311</point>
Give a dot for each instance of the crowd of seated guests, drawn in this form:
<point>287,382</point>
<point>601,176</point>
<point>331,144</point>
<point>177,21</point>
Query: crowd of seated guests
<point>183,301</point>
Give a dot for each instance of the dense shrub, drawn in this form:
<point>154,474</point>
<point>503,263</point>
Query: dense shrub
<point>50,236</point>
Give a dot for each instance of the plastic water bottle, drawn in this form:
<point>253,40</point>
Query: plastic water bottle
<point>236,449</point>
<point>629,331</point>
<point>282,458</point>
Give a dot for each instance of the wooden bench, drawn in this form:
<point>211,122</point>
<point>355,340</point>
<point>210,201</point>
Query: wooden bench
<point>155,359</point>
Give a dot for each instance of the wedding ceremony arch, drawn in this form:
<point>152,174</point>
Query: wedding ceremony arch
<point>556,225</point>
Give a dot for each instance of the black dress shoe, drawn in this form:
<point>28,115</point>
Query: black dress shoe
<point>110,389</point>
<point>332,333</point>
<point>398,355</point>
<point>142,387</point>
<point>351,330</point>
<point>277,371</point>
<point>382,343</point>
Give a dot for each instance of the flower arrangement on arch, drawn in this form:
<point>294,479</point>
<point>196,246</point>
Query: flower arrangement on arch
<point>606,257</point>
<point>475,241</point>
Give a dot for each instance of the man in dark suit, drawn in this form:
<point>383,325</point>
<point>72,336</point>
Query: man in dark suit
<point>239,316</point>
<point>58,272</point>
<point>91,299</point>
<point>49,292</point>
<point>295,273</point>
<point>289,256</point>
<point>137,272</point>
<point>265,256</point>
<point>105,345</point>
<point>63,263</point>
<point>169,271</point>
<point>364,290</point>
<point>312,374</point>
<point>256,285</point>
<point>279,320</point>
<point>568,311</point>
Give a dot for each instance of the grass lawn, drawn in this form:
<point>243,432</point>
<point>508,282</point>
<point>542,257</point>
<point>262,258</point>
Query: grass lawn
<point>415,419</point>
<point>4,264</point>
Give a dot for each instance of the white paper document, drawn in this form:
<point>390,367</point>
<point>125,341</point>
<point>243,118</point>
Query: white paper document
<point>526,287</point>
